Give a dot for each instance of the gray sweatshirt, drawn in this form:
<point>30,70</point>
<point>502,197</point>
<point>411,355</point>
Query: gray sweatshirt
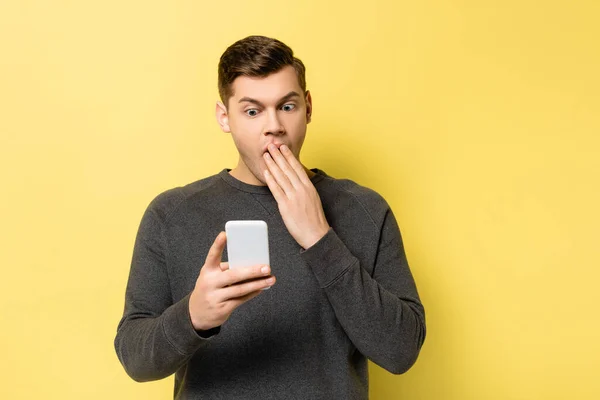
<point>348,298</point>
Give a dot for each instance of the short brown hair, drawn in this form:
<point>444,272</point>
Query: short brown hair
<point>256,56</point>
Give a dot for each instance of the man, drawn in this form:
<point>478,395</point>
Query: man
<point>344,292</point>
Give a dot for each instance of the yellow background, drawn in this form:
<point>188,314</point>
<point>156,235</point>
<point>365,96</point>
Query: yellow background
<point>478,121</point>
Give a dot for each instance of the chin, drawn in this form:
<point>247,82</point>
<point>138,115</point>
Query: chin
<point>260,176</point>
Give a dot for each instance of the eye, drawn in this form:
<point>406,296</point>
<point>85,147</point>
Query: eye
<point>288,107</point>
<point>253,112</point>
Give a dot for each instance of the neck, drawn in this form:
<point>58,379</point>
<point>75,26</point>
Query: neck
<point>241,173</point>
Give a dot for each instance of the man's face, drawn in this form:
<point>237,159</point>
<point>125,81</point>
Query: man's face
<point>261,111</point>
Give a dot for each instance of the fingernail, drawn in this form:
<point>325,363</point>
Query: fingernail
<point>265,270</point>
<point>270,281</point>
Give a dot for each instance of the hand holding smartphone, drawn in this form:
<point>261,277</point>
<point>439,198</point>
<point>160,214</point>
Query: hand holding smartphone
<point>220,289</point>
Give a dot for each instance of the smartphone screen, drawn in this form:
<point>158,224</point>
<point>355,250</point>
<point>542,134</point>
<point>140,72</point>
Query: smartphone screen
<point>247,243</point>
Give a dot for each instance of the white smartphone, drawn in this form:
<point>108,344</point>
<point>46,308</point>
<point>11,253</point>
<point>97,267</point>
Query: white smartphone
<point>247,243</point>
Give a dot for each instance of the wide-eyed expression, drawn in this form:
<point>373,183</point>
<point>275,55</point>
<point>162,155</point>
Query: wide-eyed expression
<point>261,111</point>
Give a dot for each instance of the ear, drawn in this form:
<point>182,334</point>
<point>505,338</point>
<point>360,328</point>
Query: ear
<point>222,117</point>
<point>308,100</point>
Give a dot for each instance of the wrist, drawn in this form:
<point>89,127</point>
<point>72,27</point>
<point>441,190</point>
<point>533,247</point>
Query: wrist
<point>317,237</point>
<point>196,323</point>
<point>200,326</point>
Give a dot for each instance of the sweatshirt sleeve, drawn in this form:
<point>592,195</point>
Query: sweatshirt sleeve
<point>154,337</point>
<point>381,313</point>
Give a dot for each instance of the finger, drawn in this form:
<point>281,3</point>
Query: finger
<point>224,266</point>
<point>295,164</point>
<point>277,191</point>
<point>235,303</point>
<point>243,289</point>
<point>284,166</point>
<point>237,275</point>
<point>213,258</point>
<point>279,176</point>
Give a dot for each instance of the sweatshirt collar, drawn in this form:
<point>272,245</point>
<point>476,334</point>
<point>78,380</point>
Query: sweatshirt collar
<point>246,187</point>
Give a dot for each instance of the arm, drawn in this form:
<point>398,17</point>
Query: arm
<point>381,314</point>
<point>154,337</point>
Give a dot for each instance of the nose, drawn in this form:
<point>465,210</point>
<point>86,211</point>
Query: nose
<point>273,124</point>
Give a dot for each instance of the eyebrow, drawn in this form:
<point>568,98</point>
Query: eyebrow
<point>281,101</point>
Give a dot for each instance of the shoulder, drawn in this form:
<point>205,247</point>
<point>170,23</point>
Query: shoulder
<point>343,190</point>
<point>166,203</point>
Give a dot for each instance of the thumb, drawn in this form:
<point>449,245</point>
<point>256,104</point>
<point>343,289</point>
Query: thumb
<point>213,259</point>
